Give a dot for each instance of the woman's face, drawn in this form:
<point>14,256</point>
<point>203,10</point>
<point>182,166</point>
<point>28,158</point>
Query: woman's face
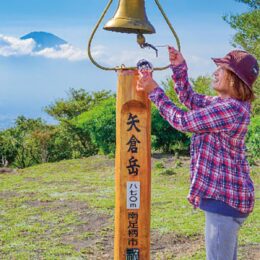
<point>220,83</point>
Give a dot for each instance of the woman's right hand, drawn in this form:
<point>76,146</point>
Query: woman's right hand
<point>175,56</point>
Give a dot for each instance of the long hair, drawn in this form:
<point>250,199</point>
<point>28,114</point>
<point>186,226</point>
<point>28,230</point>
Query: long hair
<point>239,90</point>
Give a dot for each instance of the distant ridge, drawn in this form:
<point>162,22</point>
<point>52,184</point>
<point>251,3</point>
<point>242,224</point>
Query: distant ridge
<point>44,40</point>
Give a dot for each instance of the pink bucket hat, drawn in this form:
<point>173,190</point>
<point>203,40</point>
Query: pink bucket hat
<point>243,64</point>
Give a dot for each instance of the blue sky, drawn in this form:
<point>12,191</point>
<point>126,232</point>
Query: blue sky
<point>28,83</point>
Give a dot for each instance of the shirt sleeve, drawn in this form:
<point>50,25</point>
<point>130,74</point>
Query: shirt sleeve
<point>183,89</point>
<point>217,117</point>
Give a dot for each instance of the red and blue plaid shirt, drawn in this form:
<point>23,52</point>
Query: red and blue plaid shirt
<point>219,169</point>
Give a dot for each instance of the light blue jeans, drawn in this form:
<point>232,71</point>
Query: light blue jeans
<point>221,233</point>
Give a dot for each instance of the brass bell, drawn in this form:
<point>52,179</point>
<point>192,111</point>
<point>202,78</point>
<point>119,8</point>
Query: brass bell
<point>130,17</point>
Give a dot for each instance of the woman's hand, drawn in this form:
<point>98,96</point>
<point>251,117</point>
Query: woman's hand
<point>195,200</point>
<point>146,83</point>
<point>175,56</point>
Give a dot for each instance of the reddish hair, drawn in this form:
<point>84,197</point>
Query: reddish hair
<point>239,89</point>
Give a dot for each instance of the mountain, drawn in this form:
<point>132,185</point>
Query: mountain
<point>44,40</point>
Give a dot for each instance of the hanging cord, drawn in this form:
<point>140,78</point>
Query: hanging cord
<point>169,24</point>
<point>122,67</point>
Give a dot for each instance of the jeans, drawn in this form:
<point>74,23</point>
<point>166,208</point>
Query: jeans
<point>221,233</point>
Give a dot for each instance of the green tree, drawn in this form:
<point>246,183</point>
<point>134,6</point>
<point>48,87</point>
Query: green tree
<point>43,139</point>
<point>100,124</point>
<point>78,142</point>
<point>202,85</point>
<point>253,140</point>
<point>17,145</point>
<point>248,36</point>
<point>77,102</point>
<point>63,110</point>
<point>7,147</point>
<point>31,142</point>
<point>165,138</point>
<point>172,140</point>
<point>247,26</point>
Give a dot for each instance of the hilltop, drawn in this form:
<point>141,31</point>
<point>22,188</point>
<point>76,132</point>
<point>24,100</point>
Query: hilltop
<point>44,40</point>
<point>66,209</point>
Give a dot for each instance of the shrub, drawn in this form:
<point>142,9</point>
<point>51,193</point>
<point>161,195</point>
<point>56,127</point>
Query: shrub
<point>168,172</point>
<point>100,124</point>
<point>253,140</point>
<point>159,165</point>
<point>165,137</point>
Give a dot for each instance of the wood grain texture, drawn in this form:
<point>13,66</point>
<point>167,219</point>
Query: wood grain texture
<point>136,103</point>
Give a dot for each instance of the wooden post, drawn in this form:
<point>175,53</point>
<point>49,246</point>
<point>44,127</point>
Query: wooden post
<point>133,170</point>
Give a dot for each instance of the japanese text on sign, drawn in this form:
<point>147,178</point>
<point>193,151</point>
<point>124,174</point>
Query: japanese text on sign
<point>133,187</point>
<point>133,195</point>
<point>133,228</point>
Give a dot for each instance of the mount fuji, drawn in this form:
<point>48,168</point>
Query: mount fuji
<point>44,40</point>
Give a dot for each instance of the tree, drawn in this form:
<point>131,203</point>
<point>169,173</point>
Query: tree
<point>64,110</point>
<point>247,26</point>
<point>172,140</point>
<point>78,101</point>
<point>17,145</point>
<point>165,137</point>
<point>201,84</point>
<point>43,139</point>
<point>253,140</point>
<point>31,141</point>
<point>248,36</point>
<point>100,124</point>
<point>7,147</point>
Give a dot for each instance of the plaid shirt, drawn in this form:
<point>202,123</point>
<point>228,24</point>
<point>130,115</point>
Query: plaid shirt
<point>219,169</point>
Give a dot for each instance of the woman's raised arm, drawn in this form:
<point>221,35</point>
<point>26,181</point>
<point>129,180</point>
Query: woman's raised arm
<point>182,87</point>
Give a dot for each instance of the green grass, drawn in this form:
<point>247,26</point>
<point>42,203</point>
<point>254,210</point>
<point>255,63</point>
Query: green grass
<point>65,211</point>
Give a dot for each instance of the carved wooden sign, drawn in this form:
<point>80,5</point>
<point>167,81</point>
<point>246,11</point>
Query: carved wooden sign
<point>133,170</point>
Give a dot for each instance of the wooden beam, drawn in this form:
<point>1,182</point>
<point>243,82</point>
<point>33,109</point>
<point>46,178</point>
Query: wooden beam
<point>132,170</point>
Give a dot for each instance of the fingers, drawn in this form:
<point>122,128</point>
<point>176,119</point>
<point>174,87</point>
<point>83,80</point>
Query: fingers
<point>145,77</point>
<point>144,74</point>
<point>171,48</point>
<point>139,88</point>
<point>173,54</point>
<point>143,82</point>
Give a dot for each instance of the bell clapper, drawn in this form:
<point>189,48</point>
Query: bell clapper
<point>143,44</point>
<point>140,39</point>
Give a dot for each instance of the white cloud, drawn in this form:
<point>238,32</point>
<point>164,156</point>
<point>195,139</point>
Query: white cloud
<point>99,51</point>
<point>12,46</point>
<point>66,51</point>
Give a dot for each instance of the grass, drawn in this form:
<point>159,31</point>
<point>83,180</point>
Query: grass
<point>65,211</point>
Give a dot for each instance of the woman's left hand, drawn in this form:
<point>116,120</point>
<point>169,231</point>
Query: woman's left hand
<point>146,83</point>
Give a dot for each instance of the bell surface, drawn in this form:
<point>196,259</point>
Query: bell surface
<point>130,17</point>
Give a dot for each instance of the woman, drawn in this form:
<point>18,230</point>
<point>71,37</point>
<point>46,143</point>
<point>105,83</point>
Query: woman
<point>220,181</point>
